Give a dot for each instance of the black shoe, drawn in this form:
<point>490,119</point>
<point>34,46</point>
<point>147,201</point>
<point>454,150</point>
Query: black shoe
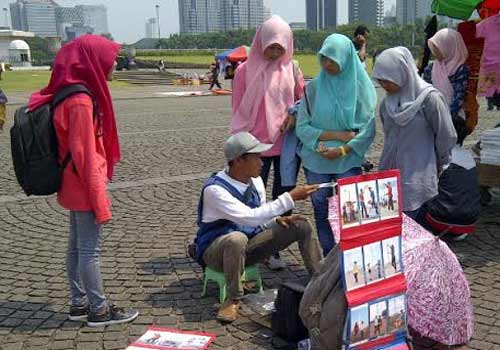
<point>78,313</point>
<point>114,315</point>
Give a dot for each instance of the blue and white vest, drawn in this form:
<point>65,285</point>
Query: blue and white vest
<point>210,231</point>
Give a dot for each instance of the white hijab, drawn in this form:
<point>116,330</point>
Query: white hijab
<point>397,65</point>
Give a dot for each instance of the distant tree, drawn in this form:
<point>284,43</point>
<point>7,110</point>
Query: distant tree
<point>411,36</point>
<point>40,52</point>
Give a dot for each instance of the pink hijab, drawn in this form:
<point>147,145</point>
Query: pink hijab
<point>452,46</point>
<point>271,82</point>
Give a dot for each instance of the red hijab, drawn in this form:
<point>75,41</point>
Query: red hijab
<point>87,60</point>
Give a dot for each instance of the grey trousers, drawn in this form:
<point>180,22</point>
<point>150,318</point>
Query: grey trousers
<point>232,252</point>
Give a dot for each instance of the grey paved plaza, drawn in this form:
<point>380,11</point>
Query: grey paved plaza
<point>170,145</point>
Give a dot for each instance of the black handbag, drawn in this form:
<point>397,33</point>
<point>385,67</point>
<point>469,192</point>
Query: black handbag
<point>286,322</point>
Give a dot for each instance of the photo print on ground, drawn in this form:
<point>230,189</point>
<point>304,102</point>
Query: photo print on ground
<point>389,198</point>
<point>397,314</point>
<point>353,268</point>
<point>368,200</point>
<point>392,256</point>
<point>378,319</point>
<point>167,339</point>
<point>359,330</point>
<point>349,206</point>
<point>372,254</point>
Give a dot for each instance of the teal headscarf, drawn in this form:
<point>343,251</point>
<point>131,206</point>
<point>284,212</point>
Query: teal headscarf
<point>351,92</point>
<point>342,102</point>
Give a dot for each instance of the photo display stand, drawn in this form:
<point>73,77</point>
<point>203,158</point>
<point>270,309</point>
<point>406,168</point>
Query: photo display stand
<point>370,221</point>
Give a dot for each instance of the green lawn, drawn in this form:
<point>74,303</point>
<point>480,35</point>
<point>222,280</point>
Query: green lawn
<point>30,81</point>
<point>194,59</point>
<point>308,62</point>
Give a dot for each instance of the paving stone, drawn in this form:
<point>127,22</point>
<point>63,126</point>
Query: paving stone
<point>169,147</point>
<point>62,344</point>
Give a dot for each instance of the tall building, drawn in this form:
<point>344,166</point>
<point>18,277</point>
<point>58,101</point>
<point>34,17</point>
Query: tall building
<point>409,10</point>
<point>321,14</point>
<point>37,16</point>
<point>424,8</point>
<point>95,16</point>
<point>67,17</point>
<point>46,18</point>
<point>243,14</point>
<point>369,12</point>
<point>202,16</point>
<point>267,13</point>
<point>151,28</point>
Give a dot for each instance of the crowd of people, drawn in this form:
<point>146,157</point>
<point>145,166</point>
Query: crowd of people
<point>278,122</point>
<point>326,127</point>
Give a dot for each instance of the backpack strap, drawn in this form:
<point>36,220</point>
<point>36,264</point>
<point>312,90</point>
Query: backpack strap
<point>62,95</point>
<point>69,91</point>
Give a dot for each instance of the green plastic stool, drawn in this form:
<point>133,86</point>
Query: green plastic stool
<point>251,273</point>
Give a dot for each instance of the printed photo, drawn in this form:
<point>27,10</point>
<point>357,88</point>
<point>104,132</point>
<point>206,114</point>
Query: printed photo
<point>389,198</point>
<point>392,256</point>
<point>368,200</point>
<point>349,206</point>
<point>397,314</point>
<point>378,319</point>
<point>373,262</point>
<point>359,324</point>
<point>353,268</point>
<point>157,338</point>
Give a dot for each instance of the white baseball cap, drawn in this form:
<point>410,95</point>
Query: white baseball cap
<point>243,143</point>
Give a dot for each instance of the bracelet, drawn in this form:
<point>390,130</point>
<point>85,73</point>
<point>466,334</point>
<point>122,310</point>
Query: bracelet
<point>343,151</point>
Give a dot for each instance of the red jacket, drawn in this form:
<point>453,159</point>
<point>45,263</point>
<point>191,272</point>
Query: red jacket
<point>85,178</point>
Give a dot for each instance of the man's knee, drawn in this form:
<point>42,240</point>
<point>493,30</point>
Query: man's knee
<point>304,228</point>
<point>236,241</point>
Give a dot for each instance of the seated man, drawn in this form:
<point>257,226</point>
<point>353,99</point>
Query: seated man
<point>457,206</point>
<point>237,227</point>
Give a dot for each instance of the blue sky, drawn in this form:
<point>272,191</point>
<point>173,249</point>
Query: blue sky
<point>127,17</point>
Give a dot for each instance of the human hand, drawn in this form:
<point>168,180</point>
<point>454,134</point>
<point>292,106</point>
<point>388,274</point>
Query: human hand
<point>288,124</point>
<point>361,40</point>
<point>303,192</point>
<point>329,153</point>
<point>347,136</point>
<point>287,221</point>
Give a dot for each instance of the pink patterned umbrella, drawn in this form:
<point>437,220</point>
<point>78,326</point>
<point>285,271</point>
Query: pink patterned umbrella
<point>439,300</point>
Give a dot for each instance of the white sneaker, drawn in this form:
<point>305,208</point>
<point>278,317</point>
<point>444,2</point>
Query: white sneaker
<point>276,263</point>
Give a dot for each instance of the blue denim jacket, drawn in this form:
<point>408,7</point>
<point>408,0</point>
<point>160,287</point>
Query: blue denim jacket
<point>290,160</point>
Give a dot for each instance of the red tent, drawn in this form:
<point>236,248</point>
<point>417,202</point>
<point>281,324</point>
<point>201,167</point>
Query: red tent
<point>239,54</point>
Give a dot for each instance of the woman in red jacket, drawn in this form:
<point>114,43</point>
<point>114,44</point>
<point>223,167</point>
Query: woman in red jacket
<point>86,130</point>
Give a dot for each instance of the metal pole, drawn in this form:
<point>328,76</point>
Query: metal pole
<point>317,15</point>
<point>158,23</point>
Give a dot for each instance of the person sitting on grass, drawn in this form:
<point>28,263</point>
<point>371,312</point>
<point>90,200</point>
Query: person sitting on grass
<point>238,227</point>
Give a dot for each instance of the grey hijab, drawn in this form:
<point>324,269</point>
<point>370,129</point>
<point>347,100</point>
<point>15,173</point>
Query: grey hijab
<point>397,65</point>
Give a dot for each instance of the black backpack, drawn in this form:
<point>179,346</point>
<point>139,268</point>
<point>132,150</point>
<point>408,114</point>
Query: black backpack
<point>286,322</point>
<point>34,145</point>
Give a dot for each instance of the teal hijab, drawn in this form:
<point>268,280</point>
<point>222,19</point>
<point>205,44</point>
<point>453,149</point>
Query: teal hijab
<point>349,96</point>
<point>342,102</point>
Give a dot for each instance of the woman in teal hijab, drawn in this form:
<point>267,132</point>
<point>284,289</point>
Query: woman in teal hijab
<point>336,124</point>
